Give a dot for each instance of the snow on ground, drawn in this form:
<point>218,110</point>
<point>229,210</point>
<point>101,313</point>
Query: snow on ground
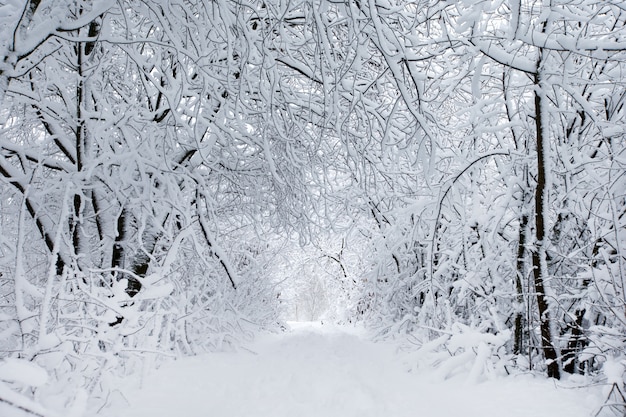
<point>325,371</point>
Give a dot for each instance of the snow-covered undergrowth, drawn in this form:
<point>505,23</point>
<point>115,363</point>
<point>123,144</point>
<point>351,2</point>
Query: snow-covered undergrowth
<point>321,370</point>
<point>73,352</point>
<point>464,351</point>
<point>476,356</point>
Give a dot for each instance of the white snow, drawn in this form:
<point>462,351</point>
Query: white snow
<point>325,371</point>
<point>22,371</point>
<point>614,371</point>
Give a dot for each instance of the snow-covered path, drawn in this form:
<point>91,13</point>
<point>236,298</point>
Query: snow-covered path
<point>325,372</point>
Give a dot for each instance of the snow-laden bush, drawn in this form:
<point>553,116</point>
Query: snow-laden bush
<point>462,351</point>
<point>91,334</point>
<point>466,351</point>
<point>606,353</point>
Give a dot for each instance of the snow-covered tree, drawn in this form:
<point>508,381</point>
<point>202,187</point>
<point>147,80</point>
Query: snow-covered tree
<point>456,166</point>
<point>142,160</point>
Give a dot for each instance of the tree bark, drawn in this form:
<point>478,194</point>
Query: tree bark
<point>519,276</point>
<point>539,253</point>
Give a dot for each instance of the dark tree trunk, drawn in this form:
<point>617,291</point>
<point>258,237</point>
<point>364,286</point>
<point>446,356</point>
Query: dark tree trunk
<point>117,257</point>
<point>519,276</point>
<point>79,137</point>
<point>576,342</point>
<point>538,254</point>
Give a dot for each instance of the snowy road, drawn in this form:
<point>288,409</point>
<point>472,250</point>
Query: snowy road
<point>326,372</point>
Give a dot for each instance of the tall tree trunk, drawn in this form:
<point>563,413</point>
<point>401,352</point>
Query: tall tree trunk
<point>539,253</point>
<point>521,145</point>
<point>82,196</point>
<point>79,137</point>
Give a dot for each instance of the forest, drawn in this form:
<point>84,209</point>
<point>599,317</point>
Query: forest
<point>453,171</point>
